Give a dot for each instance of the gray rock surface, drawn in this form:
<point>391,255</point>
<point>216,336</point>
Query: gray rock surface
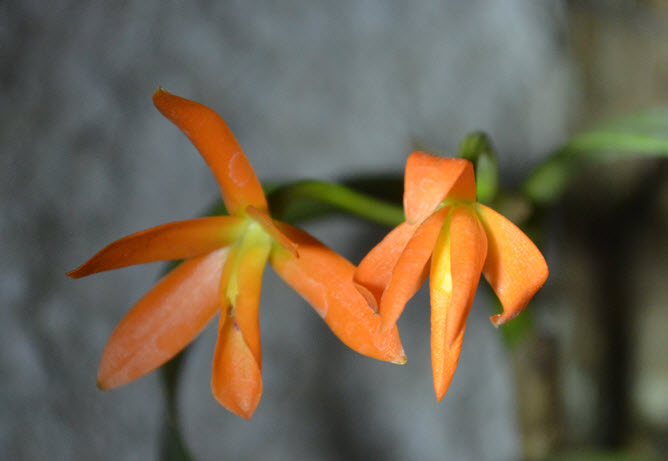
<point>323,91</point>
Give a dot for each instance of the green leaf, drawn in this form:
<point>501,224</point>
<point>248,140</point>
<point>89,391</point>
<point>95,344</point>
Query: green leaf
<point>642,134</point>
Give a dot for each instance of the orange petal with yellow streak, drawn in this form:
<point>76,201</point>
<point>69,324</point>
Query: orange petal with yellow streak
<point>515,267</point>
<point>457,262</point>
<point>410,271</point>
<point>247,303</point>
<point>175,240</point>
<point>236,379</point>
<point>430,179</point>
<point>215,142</point>
<point>325,280</point>
<point>164,321</point>
<point>374,273</point>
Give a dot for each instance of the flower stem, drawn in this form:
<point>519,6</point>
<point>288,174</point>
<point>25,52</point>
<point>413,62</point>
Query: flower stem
<point>305,199</point>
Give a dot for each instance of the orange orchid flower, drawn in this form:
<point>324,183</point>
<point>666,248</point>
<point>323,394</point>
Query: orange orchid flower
<point>224,258</point>
<point>463,239</point>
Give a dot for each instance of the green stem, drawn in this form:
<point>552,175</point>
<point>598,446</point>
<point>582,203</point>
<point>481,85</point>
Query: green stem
<point>173,447</point>
<point>305,199</point>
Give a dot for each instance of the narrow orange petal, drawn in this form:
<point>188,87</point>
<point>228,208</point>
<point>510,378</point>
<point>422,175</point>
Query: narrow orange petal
<point>325,280</point>
<point>220,149</point>
<point>457,262</point>
<point>430,179</point>
<point>247,304</point>
<point>468,249</point>
<point>374,273</point>
<point>236,379</point>
<point>444,358</point>
<point>270,227</point>
<point>410,271</point>
<point>515,267</point>
<point>164,321</point>
<point>175,240</point>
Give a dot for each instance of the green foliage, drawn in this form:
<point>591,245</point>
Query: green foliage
<point>638,135</point>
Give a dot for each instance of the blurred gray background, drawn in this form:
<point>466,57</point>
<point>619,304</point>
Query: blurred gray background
<point>323,90</point>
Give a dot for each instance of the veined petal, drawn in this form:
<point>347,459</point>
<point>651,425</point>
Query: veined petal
<point>374,273</point>
<point>410,271</point>
<point>430,179</point>
<point>164,321</point>
<point>175,240</point>
<point>220,149</point>
<point>515,267</point>
<point>456,265</point>
<point>325,280</point>
<point>236,379</point>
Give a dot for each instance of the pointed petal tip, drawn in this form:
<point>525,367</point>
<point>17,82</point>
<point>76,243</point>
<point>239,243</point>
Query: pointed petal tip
<point>499,319</point>
<point>75,273</point>
<point>401,359</point>
<point>102,384</point>
<point>245,412</point>
<point>159,92</point>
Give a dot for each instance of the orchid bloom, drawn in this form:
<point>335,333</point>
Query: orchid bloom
<point>224,258</point>
<point>463,239</point>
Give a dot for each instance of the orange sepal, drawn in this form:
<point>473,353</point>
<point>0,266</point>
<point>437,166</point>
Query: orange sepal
<point>515,267</point>
<point>163,322</point>
<point>410,271</point>
<point>374,273</point>
<point>430,179</point>
<point>236,379</point>
<point>175,240</point>
<point>457,262</point>
<point>325,280</point>
<point>214,140</point>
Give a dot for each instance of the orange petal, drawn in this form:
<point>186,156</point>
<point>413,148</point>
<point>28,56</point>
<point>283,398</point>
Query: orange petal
<point>175,240</point>
<point>247,304</point>
<point>270,227</point>
<point>410,271</point>
<point>236,379</point>
<point>325,280</point>
<point>374,273</point>
<point>430,179</point>
<point>515,267</point>
<point>221,151</point>
<point>457,262</point>
<point>444,358</point>
<point>164,321</point>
